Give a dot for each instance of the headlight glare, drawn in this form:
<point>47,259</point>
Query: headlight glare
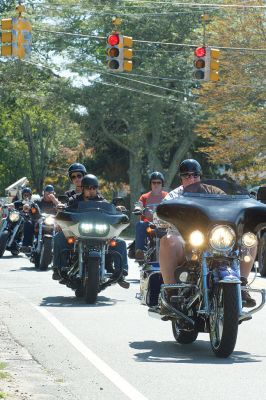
<point>14,216</point>
<point>85,228</point>
<point>249,239</point>
<point>49,220</point>
<point>196,238</point>
<point>222,238</point>
<point>101,229</point>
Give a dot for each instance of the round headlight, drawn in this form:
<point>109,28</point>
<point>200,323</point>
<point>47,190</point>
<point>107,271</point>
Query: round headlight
<point>85,228</point>
<point>196,238</point>
<point>14,216</point>
<point>249,239</point>
<point>49,220</point>
<point>222,238</point>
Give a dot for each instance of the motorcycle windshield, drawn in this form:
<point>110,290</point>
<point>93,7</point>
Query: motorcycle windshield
<point>204,204</point>
<point>93,210</point>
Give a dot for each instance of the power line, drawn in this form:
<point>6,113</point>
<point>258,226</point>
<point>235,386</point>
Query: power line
<point>149,42</point>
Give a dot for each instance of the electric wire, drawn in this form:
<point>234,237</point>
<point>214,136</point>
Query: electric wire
<point>149,41</point>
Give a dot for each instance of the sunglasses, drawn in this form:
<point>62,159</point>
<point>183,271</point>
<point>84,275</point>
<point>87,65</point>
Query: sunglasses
<point>78,176</point>
<point>188,175</point>
<point>90,187</point>
<point>156,182</point>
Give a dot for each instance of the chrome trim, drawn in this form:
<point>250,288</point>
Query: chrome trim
<point>255,309</point>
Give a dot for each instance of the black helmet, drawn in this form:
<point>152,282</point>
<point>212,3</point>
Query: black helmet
<point>49,188</point>
<point>190,165</point>
<point>157,175</point>
<point>89,180</point>
<point>76,167</point>
<point>26,190</point>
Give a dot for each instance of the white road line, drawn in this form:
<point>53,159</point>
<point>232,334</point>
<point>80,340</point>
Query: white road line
<point>107,371</point>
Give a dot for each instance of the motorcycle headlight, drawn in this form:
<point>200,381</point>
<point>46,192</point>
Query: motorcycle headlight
<point>222,238</point>
<point>249,239</point>
<point>93,229</point>
<point>14,216</point>
<point>101,229</point>
<point>49,220</point>
<point>85,228</point>
<point>196,239</point>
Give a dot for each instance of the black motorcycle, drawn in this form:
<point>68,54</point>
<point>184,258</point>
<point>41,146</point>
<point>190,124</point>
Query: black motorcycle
<point>219,230</point>
<point>90,230</point>
<point>261,196</point>
<point>11,231</point>
<point>42,249</point>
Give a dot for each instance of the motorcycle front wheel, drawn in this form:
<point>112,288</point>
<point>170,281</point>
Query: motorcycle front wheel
<point>3,241</point>
<point>46,254</point>
<point>91,280</point>
<point>223,320</point>
<point>262,255</point>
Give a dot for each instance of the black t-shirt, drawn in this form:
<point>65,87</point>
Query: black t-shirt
<point>74,200</point>
<point>47,207</point>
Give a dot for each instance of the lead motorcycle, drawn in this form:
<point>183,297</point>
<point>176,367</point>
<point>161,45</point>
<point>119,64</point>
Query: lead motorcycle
<point>90,230</point>
<point>219,230</point>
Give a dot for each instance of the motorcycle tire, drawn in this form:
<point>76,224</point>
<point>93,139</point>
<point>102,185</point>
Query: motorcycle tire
<point>182,336</point>
<point>14,252</point>
<point>262,255</point>
<point>91,280</point>
<point>46,254</point>
<point>223,321</point>
<point>3,241</point>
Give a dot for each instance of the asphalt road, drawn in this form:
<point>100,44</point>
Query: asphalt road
<point>114,350</point>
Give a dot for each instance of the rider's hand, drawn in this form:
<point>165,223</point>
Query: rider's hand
<point>137,211</point>
<point>26,208</point>
<point>60,206</point>
<point>121,208</point>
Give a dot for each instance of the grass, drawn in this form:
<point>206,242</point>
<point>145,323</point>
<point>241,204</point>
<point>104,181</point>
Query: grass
<point>2,395</point>
<point>3,374</point>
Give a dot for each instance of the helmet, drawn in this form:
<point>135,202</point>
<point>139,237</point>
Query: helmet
<point>76,167</point>
<point>156,175</point>
<point>190,165</point>
<point>49,188</point>
<point>89,180</point>
<point>26,190</point>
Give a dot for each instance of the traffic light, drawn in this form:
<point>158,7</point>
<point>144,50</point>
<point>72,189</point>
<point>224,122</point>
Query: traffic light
<point>119,55</point>
<point>200,63</point>
<point>21,37</point>
<point>6,37</point>
<point>214,64</point>
<point>206,64</point>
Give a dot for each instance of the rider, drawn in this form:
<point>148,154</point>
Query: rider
<point>76,172</point>
<point>172,244</point>
<point>148,201</point>
<point>48,202</point>
<point>89,186</point>
<point>28,228</point>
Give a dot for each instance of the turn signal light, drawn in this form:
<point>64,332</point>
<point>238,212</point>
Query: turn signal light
<point>71,240</point>
<point>112,243</point>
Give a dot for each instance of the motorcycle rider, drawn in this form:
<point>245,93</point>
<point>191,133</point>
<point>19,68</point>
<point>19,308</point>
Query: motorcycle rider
<point>148,201</point>
<point>172,244</point>
<point>89,186</point>
<point>28,227</point>
<point>48,203</point>
<point>76,171</point>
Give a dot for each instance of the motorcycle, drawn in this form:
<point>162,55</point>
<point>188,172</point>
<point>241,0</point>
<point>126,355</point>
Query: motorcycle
<point>219,230</point>
<point>11,231</point>
<point>90,230</point>
<point>42,249</point>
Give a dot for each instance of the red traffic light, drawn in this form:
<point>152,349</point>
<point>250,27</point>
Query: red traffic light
<point>200,52</point>
<point>113,40</point>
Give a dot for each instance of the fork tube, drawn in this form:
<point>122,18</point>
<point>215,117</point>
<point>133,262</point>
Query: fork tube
<point>80,259</point>
<point>204,284</point>
<point>236,267</point>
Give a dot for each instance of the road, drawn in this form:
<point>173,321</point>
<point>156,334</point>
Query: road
<point>114,350</point>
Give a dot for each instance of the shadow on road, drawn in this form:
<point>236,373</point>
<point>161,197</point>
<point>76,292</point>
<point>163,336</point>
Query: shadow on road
<point>70,301</point>
<point>198,352</point>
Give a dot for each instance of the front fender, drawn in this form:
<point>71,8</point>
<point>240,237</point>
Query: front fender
<point>226,274</point>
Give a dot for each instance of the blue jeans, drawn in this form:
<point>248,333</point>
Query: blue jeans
<point>61,246</point>
<point>141,234</point>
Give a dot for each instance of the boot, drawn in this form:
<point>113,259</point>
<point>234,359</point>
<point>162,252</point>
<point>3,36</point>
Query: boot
<point>247,300</point>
